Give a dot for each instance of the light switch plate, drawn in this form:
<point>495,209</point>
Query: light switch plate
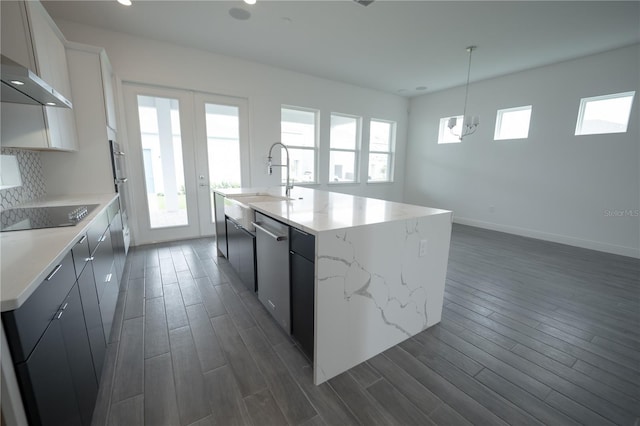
<point>423,248</point>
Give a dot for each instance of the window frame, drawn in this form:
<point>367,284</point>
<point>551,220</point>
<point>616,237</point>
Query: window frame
<point>499,119</point>
<point>355,151</point>
<point>314,148</point>
<point>391,153</point>
<point>583,106</point>
<point>442,128</point>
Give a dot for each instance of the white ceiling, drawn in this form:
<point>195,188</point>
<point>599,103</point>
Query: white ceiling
<point>390,45</point>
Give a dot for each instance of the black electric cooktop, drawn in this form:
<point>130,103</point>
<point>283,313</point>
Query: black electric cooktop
<point>23,218</point>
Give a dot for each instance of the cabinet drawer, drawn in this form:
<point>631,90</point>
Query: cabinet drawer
<point>96,231</point>
<point>303,243</point>
<point>25,325</point>
<point>81,254</point>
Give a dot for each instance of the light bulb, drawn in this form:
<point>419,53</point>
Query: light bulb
<point>250,1</point>
<point>125,2</point>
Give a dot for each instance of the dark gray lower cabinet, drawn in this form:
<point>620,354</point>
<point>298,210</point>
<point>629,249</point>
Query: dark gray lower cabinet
<point>93,319</point>
<point>108,301</point>
<point>302,278</point>
<point>46,382</point>
<point>221,224</point>
<point>76,342</point>
<point>241,246</point>
<point>57,380</point>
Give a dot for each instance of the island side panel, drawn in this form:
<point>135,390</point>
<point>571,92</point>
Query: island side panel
<point>374,290</point>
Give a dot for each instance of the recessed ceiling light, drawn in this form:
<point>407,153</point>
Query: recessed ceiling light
<point>421,88</point>
<point>239,14</point>
<point>250,1</point>
<point>125,2</point>
<point>17,82</point>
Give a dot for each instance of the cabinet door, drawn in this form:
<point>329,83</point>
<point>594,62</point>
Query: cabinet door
<point>107,85</point>
<point>302,301</point>
<point>221,224</point>
<point>16,39</point>
<point>103,259</point>
<point>247,268</point>
<point>46,382</point>
<point>51,61</point>
<point>93,318</point>
<point>76,343</point>
<point>233,249</point>
<point>108,302</point>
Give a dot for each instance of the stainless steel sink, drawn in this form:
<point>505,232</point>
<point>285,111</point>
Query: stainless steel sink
<point>238,208</point>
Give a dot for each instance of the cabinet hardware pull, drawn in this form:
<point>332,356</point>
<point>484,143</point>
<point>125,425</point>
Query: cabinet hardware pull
<point>89,259</point>
<point>58,315</point>
<point>104,237</point>
<point>269,233</point>
<point>84,237</point>
<point>64,306</point>
<point>121,180</point>
<point>55,271</point>
<point>107,278</point>
<point>271,303</point>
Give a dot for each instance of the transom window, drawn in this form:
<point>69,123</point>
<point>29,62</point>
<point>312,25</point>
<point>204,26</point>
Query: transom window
<point>382,136</point>
<point>513,123</point>
<point>343,148</point>
<point>604,114</point>
<point>298,131</point>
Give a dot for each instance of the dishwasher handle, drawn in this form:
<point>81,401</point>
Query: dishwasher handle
<point>269,233</point>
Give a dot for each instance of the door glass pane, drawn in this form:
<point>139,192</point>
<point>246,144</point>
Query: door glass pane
<point>223,147</point>
<point>162,158</point>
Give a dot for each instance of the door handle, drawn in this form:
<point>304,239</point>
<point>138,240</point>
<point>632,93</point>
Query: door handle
<point>269,233</point>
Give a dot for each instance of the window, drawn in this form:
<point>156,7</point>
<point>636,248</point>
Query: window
<point>381,145</point>
<point>298,132</point>
<point>343,148</point>
<point>447,136</point>
<point>161,138</point>
<point>513,123</point>
<point>223,145</point>
<point>604,114</point>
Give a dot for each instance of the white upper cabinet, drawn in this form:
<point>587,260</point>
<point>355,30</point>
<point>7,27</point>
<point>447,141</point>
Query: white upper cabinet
<point>107,85</point>
<point>27,126</point>
<point>16,40</point>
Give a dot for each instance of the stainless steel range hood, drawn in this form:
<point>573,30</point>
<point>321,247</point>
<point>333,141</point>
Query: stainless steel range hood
<point>21,85</point>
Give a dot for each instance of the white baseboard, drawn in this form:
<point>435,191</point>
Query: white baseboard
<point>556,238</point>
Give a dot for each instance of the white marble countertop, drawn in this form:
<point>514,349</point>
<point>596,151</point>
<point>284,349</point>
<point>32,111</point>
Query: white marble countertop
<point>27,256</point>
<point>316,211</point>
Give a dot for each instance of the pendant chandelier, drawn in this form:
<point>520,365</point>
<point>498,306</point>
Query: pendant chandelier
<point>469,123</point>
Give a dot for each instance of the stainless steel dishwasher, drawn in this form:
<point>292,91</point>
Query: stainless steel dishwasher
<point>272,258</point>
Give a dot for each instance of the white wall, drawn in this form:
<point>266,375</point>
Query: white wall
<point>266,88</point>
<point>553,185</point>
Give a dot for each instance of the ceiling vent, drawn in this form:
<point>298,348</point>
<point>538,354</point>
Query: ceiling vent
<point>364,2</point>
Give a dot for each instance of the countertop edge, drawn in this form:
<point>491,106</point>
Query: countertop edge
<point>16,302</point>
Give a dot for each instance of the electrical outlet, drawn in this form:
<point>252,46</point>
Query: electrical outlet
<point>423,248</point>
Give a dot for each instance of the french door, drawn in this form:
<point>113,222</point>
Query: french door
<point>181,145</point>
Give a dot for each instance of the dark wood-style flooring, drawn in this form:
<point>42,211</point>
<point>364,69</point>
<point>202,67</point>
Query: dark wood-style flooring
<point>532,333</point>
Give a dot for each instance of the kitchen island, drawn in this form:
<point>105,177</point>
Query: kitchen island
<point>380,269</point>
